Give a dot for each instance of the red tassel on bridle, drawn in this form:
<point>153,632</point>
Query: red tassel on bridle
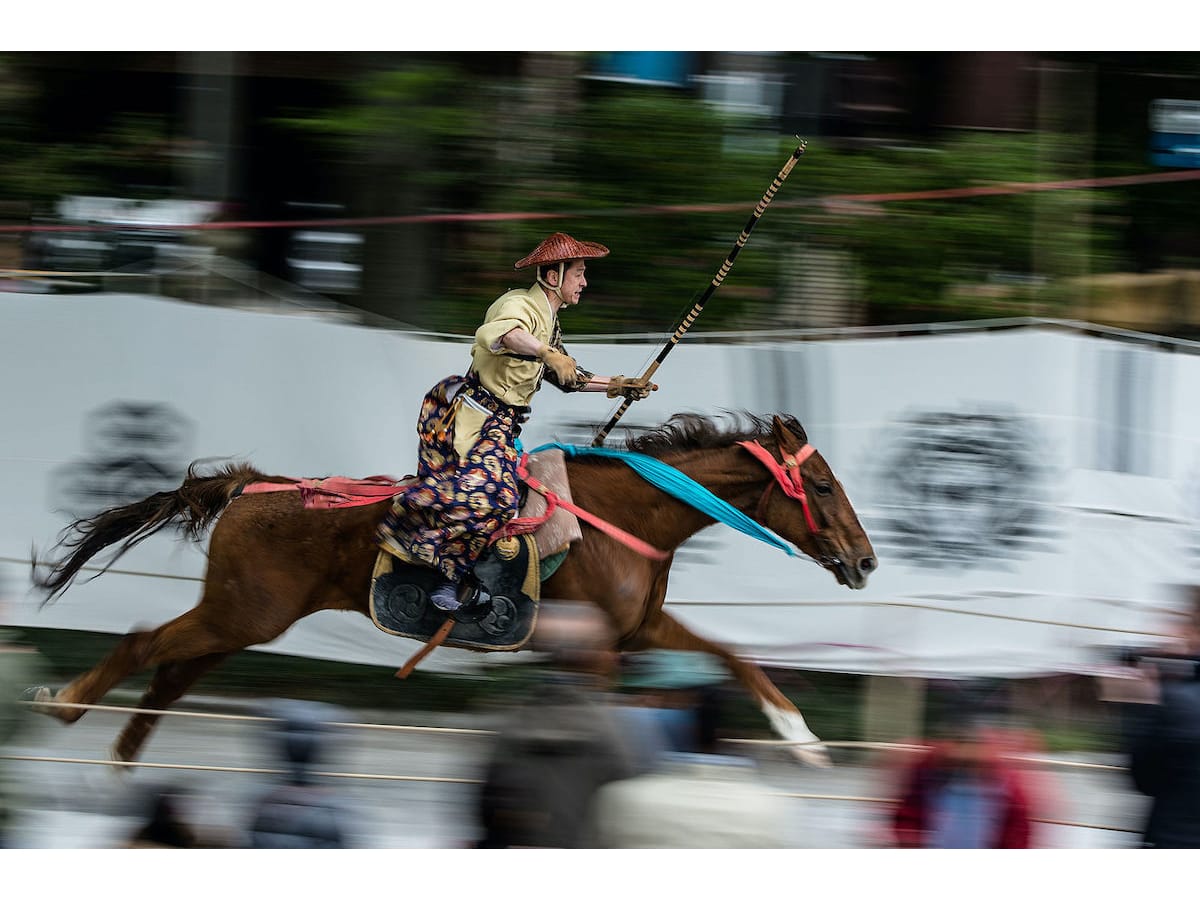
<point>787,476</point>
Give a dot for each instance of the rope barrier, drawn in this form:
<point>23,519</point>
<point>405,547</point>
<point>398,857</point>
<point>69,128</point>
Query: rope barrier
<point>961,612</point>
<point>240,717</point>
<point>26,562</point>
<point>888,801</point>
<point>999,189</point>
<point>236,769</point>
<point>435,779</point>
<point>439,779</point>
<point>789,604</point>
<point>480,732</point>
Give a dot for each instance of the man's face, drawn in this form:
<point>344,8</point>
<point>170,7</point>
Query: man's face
<point>573,282</point>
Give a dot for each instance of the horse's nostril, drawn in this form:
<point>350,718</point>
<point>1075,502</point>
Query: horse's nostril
<point>866,564</point>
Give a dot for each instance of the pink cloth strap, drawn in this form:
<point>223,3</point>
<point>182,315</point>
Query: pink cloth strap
<point>787,475</point>
<point>333,493</point>
<point>553,500</point>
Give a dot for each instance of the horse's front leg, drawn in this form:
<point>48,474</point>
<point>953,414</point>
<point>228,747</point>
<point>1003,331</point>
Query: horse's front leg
<point>664,632</point>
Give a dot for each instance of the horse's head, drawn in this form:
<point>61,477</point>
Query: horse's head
<point>805,503</point>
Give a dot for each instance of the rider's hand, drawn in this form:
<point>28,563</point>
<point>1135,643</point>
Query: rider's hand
<point>563,366</point>
<point>629,388</point>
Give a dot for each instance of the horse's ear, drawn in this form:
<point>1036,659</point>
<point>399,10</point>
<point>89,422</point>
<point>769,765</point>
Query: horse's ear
<point>784,438</point>
<point>789,434</point>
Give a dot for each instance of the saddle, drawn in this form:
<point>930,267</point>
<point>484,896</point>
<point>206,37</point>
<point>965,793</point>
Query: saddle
<point>507,578</point>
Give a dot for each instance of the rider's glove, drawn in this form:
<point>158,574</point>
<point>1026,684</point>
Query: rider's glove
<point>563,366</point>
<point>629,388</point>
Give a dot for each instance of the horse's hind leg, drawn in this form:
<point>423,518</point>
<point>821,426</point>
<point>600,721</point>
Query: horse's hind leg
<point>665,632</point>
<point>170,682</point>
<point>184,638</point>
<point>121,662</point>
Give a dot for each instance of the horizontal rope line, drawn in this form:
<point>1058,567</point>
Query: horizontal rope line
<point>53,273</point>
<point>917,748</point>
<point>739,603</point>
<point>888,801</point>
<point>961,612</point>
<point>15,559</point>
<point>1002,188</point>
<point>241,717</point>
<point>432,729</point>
<point>237,769</point>
<point>437,779</point>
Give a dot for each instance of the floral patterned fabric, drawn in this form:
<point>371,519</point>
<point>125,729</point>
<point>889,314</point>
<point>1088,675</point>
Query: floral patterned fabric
<point>449,515</point>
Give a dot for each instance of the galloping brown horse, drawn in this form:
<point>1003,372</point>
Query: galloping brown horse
<point>272,562</point>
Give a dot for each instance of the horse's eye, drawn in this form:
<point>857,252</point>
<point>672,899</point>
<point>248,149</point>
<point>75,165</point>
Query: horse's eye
<point>824,488</point>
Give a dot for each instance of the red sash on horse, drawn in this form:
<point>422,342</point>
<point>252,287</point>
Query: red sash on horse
<point>336,492</point>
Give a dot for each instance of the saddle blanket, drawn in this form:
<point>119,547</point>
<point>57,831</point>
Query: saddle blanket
<point>548,467</point>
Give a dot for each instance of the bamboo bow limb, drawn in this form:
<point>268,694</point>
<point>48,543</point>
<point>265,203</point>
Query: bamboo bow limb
<point>686,322</point>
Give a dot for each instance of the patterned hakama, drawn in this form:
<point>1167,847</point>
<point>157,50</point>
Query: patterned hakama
<point>447,517</point>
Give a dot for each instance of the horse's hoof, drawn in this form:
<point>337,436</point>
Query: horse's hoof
<point>40,699</point>
<point>814,755</point>
<point>789,724</point>
<point>115,755</point>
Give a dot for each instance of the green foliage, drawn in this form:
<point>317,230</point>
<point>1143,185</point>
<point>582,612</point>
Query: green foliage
<point>129,157</point>
<point>637,152</point>
<point>665,180</point>
<point>425,119</point>
<point>912,253</point>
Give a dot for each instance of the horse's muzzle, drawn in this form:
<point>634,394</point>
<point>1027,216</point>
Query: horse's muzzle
<point>854,577</point>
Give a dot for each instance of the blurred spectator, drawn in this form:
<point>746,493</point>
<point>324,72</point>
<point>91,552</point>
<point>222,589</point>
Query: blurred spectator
<point>964,792</point>
<point>21,667</point>
<point>697,799</point>
<point>302,813</point>
<point>1159,703</point>
<point>663,692</point>
<point>562,744</point>
<point>166,824</point>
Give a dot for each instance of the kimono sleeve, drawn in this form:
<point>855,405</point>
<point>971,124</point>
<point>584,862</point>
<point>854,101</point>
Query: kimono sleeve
<point>514,312</point>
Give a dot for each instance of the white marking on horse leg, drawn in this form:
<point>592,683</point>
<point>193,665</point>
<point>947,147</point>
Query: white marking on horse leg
<point>790,726</point>
<point>42,699</point>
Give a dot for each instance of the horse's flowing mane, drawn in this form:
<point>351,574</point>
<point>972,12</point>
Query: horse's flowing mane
<point>690,431</point>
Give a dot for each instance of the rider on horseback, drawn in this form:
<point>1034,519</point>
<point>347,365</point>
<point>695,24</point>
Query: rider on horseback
<point>467,459</point>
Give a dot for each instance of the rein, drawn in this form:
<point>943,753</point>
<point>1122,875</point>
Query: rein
<point>787,476</point>
<point>671,481</point>
<point>553,501</point>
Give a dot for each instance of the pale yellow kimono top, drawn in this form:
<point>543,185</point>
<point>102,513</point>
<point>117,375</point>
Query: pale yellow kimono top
<point>513,379</point>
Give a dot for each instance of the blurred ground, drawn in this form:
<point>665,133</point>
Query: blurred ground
<point>74,806</point>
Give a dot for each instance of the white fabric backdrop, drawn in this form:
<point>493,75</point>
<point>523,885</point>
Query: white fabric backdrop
<point>1030,492</point>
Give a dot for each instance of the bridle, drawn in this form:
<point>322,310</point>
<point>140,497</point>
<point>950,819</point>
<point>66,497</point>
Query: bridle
<point>787,476</point>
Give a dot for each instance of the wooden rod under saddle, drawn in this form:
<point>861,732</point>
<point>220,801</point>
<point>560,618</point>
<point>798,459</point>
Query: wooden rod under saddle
<point>686,322</point>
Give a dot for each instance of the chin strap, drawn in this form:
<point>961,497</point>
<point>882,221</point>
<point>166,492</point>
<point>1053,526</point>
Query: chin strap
<point>557,291</point>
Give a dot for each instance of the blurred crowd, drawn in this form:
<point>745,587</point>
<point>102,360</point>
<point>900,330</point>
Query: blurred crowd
<point>610,750</point>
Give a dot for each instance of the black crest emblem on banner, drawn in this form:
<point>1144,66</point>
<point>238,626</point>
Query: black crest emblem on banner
<point>961,489</point>
<point>132,450</point>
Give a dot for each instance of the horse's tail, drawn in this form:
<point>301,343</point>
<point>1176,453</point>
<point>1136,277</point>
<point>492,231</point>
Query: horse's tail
<point>194,504</point>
